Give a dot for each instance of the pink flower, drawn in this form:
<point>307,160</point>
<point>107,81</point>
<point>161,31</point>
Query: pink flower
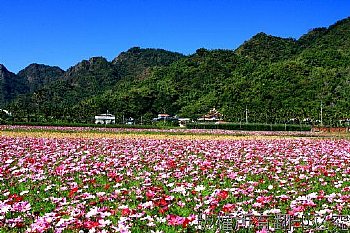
<point>263,230</point>
<point>228,208</point>
<point>22,206</point>
<point>174,220</point>
<point>90,224</point>
<point>150,194</point>
<point>232,175</point>
<point>60,170</point>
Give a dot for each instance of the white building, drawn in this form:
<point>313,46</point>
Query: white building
<point>105,119</point>
<point>212,115</point>
<point>183,121</point>
<point>6,112</point>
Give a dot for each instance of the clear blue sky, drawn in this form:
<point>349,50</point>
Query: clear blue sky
<point>64,32</point>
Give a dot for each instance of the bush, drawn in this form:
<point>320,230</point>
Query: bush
<point>249,127</point>
<point>62,124</point>
<point>162,124</point>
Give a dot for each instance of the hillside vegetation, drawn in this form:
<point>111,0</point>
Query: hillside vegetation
<point>273,79</point>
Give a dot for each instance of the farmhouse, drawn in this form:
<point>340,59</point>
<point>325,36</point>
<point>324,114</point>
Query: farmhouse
<point>183,121</point>
<point>212,115</point>
<point>5,111</point>
<point>105,119</point>
<point>162,117</point>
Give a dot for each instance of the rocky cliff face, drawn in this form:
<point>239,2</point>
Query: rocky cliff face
<point>3,71</point>
<point>136,61</point>
<point>10,85</point>
<point>93,64</point>
<point>38,75</point>
<point>278,78</point>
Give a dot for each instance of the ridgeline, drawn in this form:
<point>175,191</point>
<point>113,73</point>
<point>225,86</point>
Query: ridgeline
<point>274,79</point>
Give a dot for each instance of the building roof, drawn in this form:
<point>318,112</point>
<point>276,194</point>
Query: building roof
<point>213,113</point>
<point>163,115</point>
<point>105,117</point>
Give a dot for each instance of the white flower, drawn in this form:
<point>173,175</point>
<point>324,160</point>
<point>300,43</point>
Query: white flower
<point>104,222</point>
<point>160,219</point>
<point>179,190</point>
<point>100,194</point>
<point>9,161</point>
<point>199,188</point>
<point>105,214</point>
<point>5,208</point>
<point>181,204</point>
<point>148,204</point>
<point>92,212</point>
<point>312,195</point>
<point>24,192</point>
<point>150,224</point>
<point>275,211</point>
<point>170,184</point>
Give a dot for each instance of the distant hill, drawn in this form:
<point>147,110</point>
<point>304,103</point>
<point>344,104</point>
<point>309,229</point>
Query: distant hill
<point>39,75</point>
<point>11,86</point>
<point>56,94</point>
<point>274,78</point>
<point>137,61</point>
<point>266,48</point>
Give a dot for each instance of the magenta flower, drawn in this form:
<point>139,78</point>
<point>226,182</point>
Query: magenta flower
<point>174,220</point>
<point>263,230</point>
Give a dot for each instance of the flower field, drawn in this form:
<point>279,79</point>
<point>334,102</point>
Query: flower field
<point>53,183</point>
<point>175,131</point>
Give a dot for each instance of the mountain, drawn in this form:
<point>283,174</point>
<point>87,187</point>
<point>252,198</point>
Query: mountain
<point>54,92</point>
<point>276,79</point>
<point>267,48</point>
<point>335,36</point>
<point>90,76</point>
<point>273,78</point>
<point>39,75</point>
<point>327,46</point>
<point>11,86</point>
<point>137,61</point>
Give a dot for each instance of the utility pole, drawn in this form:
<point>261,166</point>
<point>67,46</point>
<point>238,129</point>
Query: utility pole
<point>246,114</point>
<point>321,114</point>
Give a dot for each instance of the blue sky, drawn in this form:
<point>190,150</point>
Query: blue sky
<point>64,32</point>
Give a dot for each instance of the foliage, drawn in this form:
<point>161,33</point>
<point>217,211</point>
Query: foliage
<point>65,124</point>
<point>85,182</point>
<point>268,80</point>
<point>136,61</point>
<point>250,127</point>
<point>10,86</point>
<point>265,48</point>
<point>39,75</point>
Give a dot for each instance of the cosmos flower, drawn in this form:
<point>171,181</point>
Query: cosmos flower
<point>102,182</point>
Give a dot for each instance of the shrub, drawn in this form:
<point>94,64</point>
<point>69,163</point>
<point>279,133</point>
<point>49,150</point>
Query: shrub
<point>249,127</point>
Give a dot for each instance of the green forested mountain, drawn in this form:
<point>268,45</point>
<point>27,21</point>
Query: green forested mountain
<point>273,78</point>
<point>136,61</point>
<point>267,49</point>
<point>10,86</point>
<point>37,76</point>
<point>54,94</point>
